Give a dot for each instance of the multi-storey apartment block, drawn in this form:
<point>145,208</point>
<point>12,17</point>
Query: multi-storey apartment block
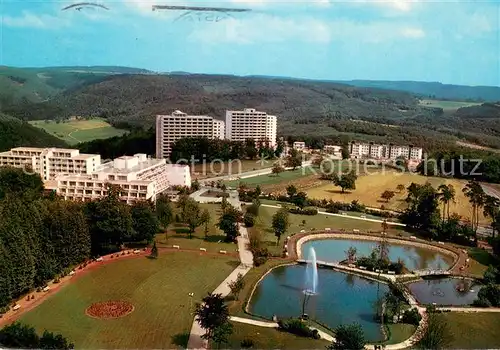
<point>49,162</point>
<point>251,124</point>
<point>299,145</point>
<point>139,177</point>
<point>178,125</point>
<point>332,149</point>
<point>374,151</point>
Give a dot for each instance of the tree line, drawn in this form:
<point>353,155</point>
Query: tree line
<point>42,236</point>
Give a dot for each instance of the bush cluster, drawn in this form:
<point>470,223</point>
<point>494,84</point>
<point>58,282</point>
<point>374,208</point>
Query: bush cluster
<point>412,317</point>
<point>297,327</point>
<point>305,211</point>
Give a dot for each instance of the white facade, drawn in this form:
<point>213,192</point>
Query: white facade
<point>178,175</point>
<point>251,124</point>
<point>139,177</point>
<point>367,150</point>
<point>332,149</point>
<point>299,145</point>
<point>49,162</point>
<point>178,125</point>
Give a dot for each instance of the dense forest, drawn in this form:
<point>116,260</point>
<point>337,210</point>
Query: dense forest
<point>15,133</point>
<point>43,236</point>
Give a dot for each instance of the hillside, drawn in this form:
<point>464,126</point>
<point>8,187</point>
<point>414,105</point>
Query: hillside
<point>40,84</point>
<point>14,133</point>
<point>434,89</point>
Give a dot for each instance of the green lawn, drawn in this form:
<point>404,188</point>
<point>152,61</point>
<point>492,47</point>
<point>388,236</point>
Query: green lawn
<point>399,332</point>
<point>271,179</point>
<point>473,330</point>
<point>480,260</point>
<point>75,131</point>
<point>177,234</point>
<point>315,222</point>
<point>158,289</point>
<point>270,338</point>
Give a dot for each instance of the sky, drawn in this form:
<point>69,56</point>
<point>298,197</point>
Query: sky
<point>453,42</point>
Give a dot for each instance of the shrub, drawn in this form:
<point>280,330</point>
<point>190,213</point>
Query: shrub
<point>297,327</point>
<point>481,302</point>
<point>260,260</point>
<point>246,343</point>
<point>412,317</point>
<point>249,219</point>
<point>491,294</point>
<point>305,211</point>
<point>396,267</point>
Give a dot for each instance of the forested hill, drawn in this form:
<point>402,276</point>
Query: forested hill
<point>15,133</point>
<point>434,90</point>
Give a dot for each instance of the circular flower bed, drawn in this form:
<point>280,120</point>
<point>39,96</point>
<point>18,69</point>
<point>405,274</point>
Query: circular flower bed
<point>109,309</point>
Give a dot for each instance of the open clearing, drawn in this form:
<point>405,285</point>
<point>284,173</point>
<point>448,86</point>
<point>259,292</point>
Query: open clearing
<point>235,167</point>
<point>158,289</point>
<point>474,330</point>
<point>370,187</point>
<point>75,131</point>
<point>447,105</point>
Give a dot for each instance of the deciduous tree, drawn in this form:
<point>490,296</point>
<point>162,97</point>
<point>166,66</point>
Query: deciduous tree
<point>348,337</point>
<point>280,223</point>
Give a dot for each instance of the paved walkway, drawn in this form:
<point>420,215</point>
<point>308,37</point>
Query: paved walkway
<point>345,216</point>
<point>469,309</point>
<point>246,259</point>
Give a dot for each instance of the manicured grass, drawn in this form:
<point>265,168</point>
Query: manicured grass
<point>399,332</point>
<point>270,338</point>
<point>480,260</point>
<point>158,289</point>
<point>74,131</point>
<point>447,105</point>
<point>370,187</point>
<point>234,167</point>
<point>177,234</point>
<point>477,330</point>
<point>271,179</point>
<point>314,222</point>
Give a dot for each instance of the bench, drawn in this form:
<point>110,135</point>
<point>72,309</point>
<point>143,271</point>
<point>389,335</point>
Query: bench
<point>72,273</point>
<point>46,289</point>
<point>176,247</point>
<point>302,231</point>
<point>441,243</point>
<point>355,230</point>
<point>16,307</point>
<point>362,267</point>
<point>203,249</point>
<point>327,229</point>
<point>392,272</point>
<point>137,251</point>
<point>98,259</point>
<point>413,237</point>
<point>363,216</point>
<point>222,252</point>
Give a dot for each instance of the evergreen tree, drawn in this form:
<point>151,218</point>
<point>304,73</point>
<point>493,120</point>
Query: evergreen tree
<point>348,337</point>
<point>212,314</point>
<point>228,222</point>
<point>154,251</point>
<point>145,223</point>
<point>164,210</point>
<point>280,223</point>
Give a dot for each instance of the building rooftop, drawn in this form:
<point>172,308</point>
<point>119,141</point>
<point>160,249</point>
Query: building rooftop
<point>109,168</point>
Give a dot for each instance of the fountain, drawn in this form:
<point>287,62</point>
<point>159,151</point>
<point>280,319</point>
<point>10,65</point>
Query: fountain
<point>311,274</point>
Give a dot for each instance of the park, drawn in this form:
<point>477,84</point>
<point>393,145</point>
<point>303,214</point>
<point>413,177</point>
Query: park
<point>304,246</point>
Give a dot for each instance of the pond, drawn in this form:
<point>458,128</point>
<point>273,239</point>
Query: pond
<point>415,258</point>
<point>445,291</point>
<point>341,298</point>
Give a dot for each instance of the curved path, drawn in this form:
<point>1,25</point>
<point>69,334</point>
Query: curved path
<point>246,263</point>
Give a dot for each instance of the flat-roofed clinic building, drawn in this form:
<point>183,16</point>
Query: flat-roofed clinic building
<point>299,145</point>
<point>49,162</point>
<point>178,125</point>
<point>140,178</point>
<point>251,124</point>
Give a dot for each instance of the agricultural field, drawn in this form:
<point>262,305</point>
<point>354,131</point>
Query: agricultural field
<point>370,187</point>
<point>263,225</point>
<point>158,289</point>
<point>75,131</point>
<point>477,330</point>
<point>447,105</point>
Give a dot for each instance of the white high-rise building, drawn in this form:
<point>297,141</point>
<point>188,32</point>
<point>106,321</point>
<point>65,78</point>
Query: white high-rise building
<point>251,124</point>
<point>49,162</point>
<point>139,177</point>
<point>178,125</point>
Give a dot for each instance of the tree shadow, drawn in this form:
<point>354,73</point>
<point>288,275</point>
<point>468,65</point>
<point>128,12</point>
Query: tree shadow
<point>338,191</point>
<point>382,201</point>
<point>181,230</point>
<point>233,263</point>
<point>181,340</point>
<point>482,256</point>
<point>215,238</point>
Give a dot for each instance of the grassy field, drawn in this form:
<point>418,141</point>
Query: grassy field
<point>75,131</point>
<point>370,187</point>
<point>272,179</point>
<point>447,105</point>
<point>316,222</point>
<point>480,260</point>
<point>270,338</point>
<point>177,234</point>
<point>235,167</point>
<point>399,332</point>
<point>158,289</point>
<point>473,330</point>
